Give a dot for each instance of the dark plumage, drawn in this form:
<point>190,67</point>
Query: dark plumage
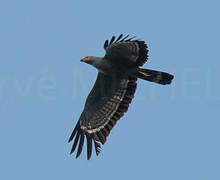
<point>113,90</point>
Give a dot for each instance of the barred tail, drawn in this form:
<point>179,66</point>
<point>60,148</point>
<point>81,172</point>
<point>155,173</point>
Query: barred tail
<point>155,76</point>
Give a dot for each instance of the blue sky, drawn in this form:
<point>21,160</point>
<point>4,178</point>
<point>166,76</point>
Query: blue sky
<point>169,132</point>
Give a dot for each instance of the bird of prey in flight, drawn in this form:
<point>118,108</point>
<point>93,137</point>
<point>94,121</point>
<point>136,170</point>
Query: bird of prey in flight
<point>113,90</point>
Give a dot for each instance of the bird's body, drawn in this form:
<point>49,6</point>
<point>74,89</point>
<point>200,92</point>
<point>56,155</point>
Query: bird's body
<point>113,91</point>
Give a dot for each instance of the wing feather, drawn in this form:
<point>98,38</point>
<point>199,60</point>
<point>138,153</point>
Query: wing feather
<point>106,44</point>
<point>81,142</point>
<point>119,37</point>
<point>112,40</point>
<point>97,147</point>
<point>75,142</point>
<point>74,132</point>
<point>103,108</point>
<point>89,146</point>
<point>102,138</point>
<point>125,38</point>
<point>130,39</point>
<point>127,51</point>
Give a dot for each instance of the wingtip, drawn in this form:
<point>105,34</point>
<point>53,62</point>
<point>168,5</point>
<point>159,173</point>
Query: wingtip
<point>69,140</point>
<point>77,155</point>
<point>71,152</point>
<point>97,147</point>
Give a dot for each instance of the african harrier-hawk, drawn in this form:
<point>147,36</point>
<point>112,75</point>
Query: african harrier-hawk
<point>113,91</point>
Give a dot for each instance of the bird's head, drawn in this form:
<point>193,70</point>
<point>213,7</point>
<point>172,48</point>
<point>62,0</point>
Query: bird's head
<point>88,59</point>
<point>93,60</point>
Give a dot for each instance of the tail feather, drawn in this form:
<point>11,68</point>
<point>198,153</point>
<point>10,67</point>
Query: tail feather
<point>155,76</point>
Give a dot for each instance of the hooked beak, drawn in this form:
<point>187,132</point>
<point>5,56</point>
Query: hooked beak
<point>86,59</point>
<point>83,60</point>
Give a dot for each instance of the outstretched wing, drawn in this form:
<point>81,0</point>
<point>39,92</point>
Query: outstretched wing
<point>106,104</point>
<point>126,51</point>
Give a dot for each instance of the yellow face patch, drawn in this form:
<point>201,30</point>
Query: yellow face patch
<point>86,58</point>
